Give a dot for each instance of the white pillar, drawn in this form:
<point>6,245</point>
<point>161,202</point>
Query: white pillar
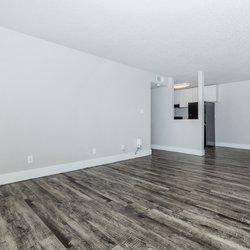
<point>171,86</point>
<point>201,83</point>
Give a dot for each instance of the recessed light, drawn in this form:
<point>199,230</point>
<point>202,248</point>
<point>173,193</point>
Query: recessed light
<point>181,85</point>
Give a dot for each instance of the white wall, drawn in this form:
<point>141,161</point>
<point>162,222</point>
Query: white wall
<point>233,115</point>
<point>169,134</point>
<point>57,103</point>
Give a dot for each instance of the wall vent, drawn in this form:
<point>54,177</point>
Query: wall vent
<point>160,79</point>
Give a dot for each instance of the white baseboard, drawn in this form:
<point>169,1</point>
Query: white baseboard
<point>179,150</point>
<point>232,145</point>
<point>67,167</point>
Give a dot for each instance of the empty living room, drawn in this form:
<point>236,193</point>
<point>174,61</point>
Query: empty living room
<point>124,125</point>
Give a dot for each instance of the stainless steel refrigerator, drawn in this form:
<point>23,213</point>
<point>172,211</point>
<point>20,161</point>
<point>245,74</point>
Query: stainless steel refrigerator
<point>209,121</point>
<point>209,124</point>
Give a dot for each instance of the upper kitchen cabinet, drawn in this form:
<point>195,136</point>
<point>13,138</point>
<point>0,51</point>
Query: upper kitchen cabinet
<point>177,96</point>
<point>210,93</point>
<point>185,96</point>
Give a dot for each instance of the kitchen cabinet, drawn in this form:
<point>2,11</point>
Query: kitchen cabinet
<point>210,93</point>
<point>177,96</point>
<point>185,96</point>
<point>194,95</point>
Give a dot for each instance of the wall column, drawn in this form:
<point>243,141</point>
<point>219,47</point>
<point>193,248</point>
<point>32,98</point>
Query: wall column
<point>201,83</point>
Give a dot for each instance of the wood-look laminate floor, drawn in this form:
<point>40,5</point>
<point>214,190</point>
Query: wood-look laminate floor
<point>164,201</point>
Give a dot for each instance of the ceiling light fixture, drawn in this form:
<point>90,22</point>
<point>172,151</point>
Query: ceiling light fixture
<point>181,85</point>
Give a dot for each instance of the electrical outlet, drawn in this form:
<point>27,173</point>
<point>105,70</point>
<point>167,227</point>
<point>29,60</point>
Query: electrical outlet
<point>94,151</point>
<point>139,143</point>
<point>30,159</point>
<point>123,148</point>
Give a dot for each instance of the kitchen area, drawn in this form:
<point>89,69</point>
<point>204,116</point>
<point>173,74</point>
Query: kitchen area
<point>186,108</point>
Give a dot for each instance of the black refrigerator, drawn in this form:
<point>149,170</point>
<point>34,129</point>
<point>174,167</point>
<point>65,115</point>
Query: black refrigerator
<point>209,121</point>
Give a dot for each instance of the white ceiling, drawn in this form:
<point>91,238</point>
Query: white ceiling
<point>168,37</point>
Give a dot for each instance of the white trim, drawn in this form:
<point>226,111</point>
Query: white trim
<point>67,167</point>
<point>232,145</point>
<point>179,150</point>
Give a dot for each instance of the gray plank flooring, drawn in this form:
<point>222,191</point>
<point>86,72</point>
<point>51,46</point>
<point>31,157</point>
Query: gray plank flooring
<point>164,201</point>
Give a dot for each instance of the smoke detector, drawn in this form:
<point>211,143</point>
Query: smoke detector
<point>160,79</point>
